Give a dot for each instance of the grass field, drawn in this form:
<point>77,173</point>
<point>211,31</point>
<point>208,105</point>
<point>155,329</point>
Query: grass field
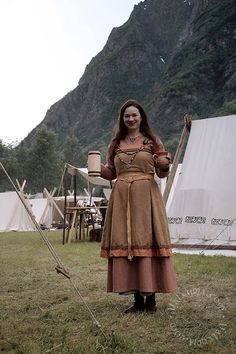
<point>40,312</point>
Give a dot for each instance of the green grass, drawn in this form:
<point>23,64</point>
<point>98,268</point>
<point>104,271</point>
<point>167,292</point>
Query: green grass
<point>40,311</point>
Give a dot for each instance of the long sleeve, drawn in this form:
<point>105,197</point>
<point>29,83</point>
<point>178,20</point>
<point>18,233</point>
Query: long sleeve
<point>162,160</point>
<point>108,172</point>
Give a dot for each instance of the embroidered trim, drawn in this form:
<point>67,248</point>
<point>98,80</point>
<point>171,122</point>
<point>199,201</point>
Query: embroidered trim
<point>158,252</point>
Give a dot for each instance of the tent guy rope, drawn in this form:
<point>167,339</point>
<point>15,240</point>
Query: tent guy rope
<point>207,246</point>
<point>60,268</point>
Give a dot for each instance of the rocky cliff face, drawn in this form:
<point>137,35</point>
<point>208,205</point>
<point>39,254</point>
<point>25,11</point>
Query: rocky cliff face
<point>200,78</point>
<point>174,56</point>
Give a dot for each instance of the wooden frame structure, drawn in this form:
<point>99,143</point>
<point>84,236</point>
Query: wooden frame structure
<point>74,216</point>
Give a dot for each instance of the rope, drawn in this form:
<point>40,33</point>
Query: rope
<point>202,252</point>
<point>60,268</point>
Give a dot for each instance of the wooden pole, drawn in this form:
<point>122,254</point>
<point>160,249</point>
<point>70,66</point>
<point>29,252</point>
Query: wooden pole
<point>50,198</point>
<point>75,191</point>
<point>65,204</point>
<point>72,226</point>
<point>183,138</point>
<point>46,207</point>
<point>75,215</point>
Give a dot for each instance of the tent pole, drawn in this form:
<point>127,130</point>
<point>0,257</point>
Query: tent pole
<point>183,138</point>
<point>75,203</point>
<point>50,198</point>
<point>75,192</point>
<point>46,207</point>
<point>65,203</point>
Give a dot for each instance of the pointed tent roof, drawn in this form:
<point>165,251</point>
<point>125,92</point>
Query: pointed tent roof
<point>203,208</point>
<point>13,216</point>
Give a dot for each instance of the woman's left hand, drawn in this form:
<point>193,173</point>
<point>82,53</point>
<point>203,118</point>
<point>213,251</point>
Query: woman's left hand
<point>162,160</point>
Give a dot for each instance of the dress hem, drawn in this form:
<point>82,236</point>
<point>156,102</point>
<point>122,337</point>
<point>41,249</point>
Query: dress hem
<point>157,252</point>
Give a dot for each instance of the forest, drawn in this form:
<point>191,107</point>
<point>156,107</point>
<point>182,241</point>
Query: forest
<point>41,165</point>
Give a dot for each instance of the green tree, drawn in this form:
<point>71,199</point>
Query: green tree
<point>44,164</point>
<point>8,159</point>
<point>22,161</point>
<point>72,152</point>
<point>73,155</point>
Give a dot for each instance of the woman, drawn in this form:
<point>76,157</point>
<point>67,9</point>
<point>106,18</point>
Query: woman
<point>135,236</point>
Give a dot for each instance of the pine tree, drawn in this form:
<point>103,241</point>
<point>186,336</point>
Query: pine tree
<point>8,159</point>
<point>44,164</point>
<point>72,154</point>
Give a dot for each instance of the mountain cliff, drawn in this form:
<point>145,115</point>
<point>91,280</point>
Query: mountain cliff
<point>174,56</point>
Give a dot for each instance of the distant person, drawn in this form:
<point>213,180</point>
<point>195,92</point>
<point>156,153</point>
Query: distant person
<point>136,237</point>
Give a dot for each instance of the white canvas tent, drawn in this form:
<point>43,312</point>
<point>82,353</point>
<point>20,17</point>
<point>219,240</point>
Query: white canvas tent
<point>42,210</point>
<point>13,216</point>
<point>203,207</point>
<point>162,184</point>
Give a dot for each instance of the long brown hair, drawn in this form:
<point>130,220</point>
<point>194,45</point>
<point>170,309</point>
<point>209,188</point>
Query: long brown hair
<point>121,130</point>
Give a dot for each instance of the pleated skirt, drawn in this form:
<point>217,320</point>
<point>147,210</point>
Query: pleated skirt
<point>142,274</point>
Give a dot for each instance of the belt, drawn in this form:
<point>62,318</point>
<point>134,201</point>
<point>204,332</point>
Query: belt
<point>129,178</point>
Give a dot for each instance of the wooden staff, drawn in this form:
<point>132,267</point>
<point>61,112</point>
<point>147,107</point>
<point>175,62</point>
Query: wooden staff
<point>183,138</point>
<point>60,268</point>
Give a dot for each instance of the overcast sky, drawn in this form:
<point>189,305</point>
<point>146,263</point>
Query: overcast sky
<point>45,47</point>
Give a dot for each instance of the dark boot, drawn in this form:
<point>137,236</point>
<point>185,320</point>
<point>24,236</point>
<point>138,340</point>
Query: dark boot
<point>138,305</point>
<point>150,305</point>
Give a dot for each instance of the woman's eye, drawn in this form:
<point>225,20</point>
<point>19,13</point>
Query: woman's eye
<point>131,115</point>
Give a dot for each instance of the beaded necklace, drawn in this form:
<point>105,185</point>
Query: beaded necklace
<point>133,139</point>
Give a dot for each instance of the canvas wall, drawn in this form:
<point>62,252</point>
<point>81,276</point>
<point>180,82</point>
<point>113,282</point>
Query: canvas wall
<point>203,207</point>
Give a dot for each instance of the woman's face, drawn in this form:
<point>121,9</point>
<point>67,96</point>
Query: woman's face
<point>132,118</point>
